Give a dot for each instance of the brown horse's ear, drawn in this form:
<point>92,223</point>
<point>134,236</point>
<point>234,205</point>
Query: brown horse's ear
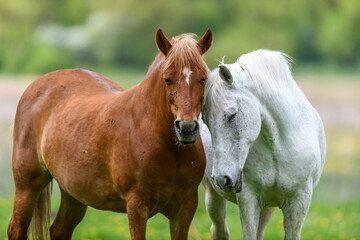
<point>205,42</point>
<point>162,43</point>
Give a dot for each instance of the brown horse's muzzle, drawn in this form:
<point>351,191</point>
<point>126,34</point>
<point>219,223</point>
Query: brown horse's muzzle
<point>186,131</point>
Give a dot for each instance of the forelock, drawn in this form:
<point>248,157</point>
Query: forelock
<point>215,91</point>
<point>184,53</point>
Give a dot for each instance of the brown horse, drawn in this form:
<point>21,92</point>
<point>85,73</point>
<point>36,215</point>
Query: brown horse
<point>131,151</point>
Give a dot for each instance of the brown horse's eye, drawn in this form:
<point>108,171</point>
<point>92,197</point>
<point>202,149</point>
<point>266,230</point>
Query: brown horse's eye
<point>168,81</point>
<point>202,80</point>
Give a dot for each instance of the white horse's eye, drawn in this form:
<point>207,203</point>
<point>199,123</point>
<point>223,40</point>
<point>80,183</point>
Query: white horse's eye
<point>231,117</point>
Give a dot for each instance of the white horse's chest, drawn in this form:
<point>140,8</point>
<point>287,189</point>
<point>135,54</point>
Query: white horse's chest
<point>274,173</point>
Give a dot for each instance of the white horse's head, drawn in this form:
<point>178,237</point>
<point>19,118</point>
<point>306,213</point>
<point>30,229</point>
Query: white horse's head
<point>235,103</point>
<point>231,112</point>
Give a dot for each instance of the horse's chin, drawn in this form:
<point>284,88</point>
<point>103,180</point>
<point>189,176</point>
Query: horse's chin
<point>187,142</point>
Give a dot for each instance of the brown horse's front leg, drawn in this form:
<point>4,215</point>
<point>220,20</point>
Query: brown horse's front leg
<point>137,212</point>
<point>181,220</point>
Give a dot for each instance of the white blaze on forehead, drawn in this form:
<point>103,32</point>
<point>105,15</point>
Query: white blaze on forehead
<point>187,72</point>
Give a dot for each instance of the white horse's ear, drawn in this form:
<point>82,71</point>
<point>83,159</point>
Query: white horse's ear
<point>225,74</point>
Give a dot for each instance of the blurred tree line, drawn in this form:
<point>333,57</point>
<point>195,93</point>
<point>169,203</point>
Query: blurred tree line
<point>44,35</point>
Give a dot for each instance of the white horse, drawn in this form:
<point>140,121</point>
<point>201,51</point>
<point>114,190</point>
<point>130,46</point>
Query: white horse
<point>267,145</point>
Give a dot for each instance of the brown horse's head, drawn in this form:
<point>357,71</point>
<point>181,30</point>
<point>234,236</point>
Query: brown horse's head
<point>184,73</point>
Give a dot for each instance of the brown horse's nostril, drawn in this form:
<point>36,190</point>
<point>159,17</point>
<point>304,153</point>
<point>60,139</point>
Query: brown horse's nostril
<point>196,125</point>
<point>177,124</point>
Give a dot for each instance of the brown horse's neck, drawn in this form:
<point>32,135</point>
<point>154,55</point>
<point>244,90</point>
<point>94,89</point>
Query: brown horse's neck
<point>153,94</point>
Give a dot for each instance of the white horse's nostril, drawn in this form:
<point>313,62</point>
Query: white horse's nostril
<point>227,181</point>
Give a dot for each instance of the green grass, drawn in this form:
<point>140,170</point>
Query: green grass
<point>326,220</point>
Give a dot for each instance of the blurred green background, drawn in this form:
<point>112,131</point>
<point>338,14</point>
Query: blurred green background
<point>116,38</point>
<point>45,35</point>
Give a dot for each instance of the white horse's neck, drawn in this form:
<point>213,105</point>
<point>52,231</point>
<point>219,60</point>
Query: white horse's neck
<point>280,113</point>
<point>267,76</point>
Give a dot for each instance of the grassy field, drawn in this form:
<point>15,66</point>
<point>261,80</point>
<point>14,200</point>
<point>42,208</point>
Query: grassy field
<point>334,212</point>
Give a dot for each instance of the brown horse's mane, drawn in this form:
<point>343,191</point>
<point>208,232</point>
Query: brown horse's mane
<point>156,64</point>
<point>183,53</point>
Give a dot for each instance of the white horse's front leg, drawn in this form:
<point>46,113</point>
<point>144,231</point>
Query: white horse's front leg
<point>265,216</point>
<point>249,213</point>
<point>216,208</point>
<point>295,211</point>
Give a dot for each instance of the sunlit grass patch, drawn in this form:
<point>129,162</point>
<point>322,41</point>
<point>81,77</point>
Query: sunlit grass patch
<point>102,225</point>
<point>333,221</point>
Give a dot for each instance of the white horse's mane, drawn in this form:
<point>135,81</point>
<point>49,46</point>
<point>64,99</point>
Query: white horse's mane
<point>269,71</point>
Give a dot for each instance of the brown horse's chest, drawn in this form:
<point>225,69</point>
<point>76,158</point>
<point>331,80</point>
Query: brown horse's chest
<point>181,184</point>
<point>162,177</point>
<point>173,169</point>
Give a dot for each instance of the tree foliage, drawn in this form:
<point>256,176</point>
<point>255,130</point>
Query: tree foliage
<point>51,34</point>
